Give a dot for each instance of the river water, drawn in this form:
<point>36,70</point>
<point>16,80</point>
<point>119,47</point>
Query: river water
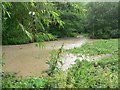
<point>29,60</point>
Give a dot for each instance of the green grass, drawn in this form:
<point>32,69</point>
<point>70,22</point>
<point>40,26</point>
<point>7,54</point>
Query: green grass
<point>113,60</point>
<point>97,47</point>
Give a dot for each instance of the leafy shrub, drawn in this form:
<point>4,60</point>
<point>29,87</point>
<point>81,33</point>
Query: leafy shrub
<point>11,81</point>
<point>87,74</point>
<point>55,61</point>
<point>14,37</point>
<point>73,23</point>
<point>73,35</point>
<point>57,80</point>
<point>111,63</point>
<point>35,18</point>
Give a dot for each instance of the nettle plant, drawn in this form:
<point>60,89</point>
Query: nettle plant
<point>55,61</point>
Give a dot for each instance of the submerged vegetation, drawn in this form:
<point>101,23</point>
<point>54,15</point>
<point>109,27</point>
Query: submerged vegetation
<point>30,22</point>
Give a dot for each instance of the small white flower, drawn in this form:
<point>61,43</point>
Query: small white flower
<point>33,13</point>
<point>30,12</point>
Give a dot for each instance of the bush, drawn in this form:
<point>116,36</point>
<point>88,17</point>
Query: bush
<point>14,37</point>
<point>73,23</point>
<point>57,81</point>
<point>11,81</point>
<point>102,20</point>
<point>55,61</point>
<point>86,74</point>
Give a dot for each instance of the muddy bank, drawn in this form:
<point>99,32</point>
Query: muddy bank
<point>29,60</point>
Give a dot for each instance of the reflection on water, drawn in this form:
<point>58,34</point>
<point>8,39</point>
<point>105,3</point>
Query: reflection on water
<point>27,59</point>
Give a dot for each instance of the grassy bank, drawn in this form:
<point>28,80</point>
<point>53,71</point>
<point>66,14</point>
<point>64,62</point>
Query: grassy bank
<point>97,47</point>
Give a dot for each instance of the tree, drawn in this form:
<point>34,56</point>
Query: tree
<point>102,19</point>
<point>73,15</point>
<point>25,20</point>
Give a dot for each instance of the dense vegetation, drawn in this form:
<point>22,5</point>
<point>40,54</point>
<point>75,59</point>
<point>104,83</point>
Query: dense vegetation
<point>85,74</point>
<point>103,20</point>
<point>101,73</point>
<point>31,22</point>
<point>11,81</point>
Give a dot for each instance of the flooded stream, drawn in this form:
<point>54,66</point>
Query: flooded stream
<point>29,60</point>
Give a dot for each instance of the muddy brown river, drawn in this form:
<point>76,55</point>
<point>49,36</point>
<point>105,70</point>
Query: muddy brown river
<point>29,60</point>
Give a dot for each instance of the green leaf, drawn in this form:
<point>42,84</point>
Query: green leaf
<point>27,33</point>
